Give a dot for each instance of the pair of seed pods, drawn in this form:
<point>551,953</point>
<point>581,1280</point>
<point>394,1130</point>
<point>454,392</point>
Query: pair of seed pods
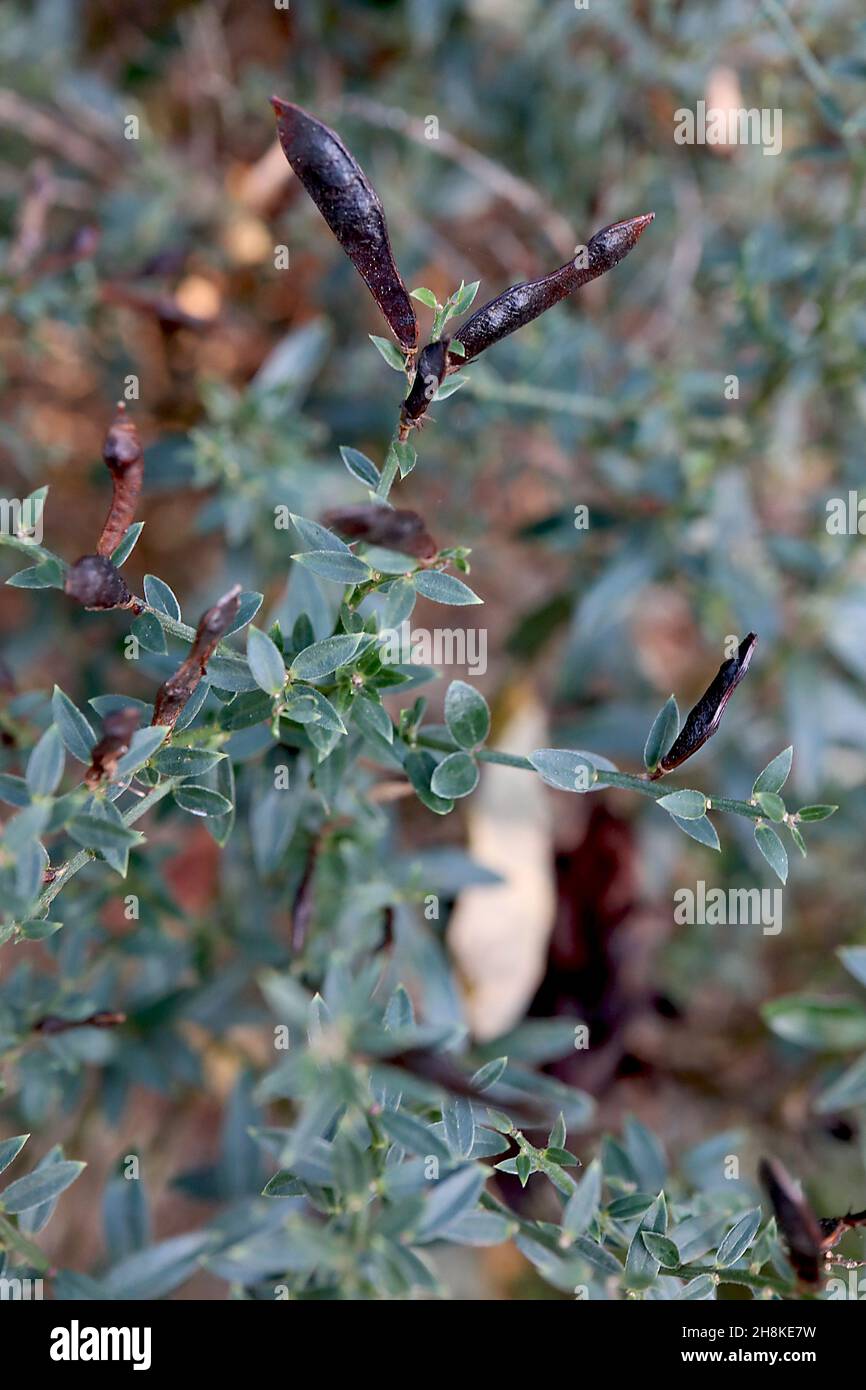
<point>351,207</point>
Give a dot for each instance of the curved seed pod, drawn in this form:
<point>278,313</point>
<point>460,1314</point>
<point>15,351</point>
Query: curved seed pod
<point>797,1221</point>
<point>103,1018</point>
<point>96,583</point>
<point>350,205</point>
<point>398,529</point>
<point>174,693</point>
<point>118,728</point>
<point>703,721</point>
<point>125,461</point>
<point>432,367</point>
<point>523,303</point>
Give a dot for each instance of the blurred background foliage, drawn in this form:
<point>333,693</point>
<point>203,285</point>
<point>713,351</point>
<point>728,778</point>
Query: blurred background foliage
<point>155,257</point>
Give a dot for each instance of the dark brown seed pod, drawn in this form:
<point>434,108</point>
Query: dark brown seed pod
<point>96,583</point>
<point>104,1018</point>
<point>432,367</point>
<point>118,728</point>
<point>124,459</point>
<point>395,528</point>
<point>174,693</point>
<point>350,205</point>
<point>523,303</point>
<point>797,1222</point>
<point>703,721</point>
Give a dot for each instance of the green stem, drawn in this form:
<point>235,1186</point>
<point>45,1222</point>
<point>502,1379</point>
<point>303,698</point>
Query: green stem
<point>84,856</point>
<point>626,781</point>
<point>12,1239</point>
<point>389,472</point>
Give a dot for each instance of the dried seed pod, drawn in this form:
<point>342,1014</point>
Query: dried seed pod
<point>124,459</point>
<point>118,728</point>
<point>96,583</point>
<point>395,528</point>
<point>174,693</point>
<point>432,367</point>
<point>808,1237</point>
<point>523,303</point>
<point>703,721</point>
<point>350,205</point>
<point>104,1018</point>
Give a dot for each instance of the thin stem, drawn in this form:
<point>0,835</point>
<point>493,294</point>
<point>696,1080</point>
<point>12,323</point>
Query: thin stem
<point>389,472</point>
<point>12,1239</point>
<point>84,856</point>
<point>626,781</point>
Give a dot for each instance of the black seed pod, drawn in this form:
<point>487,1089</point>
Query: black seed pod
<point>124,460</point>
<point>350,205</point>
<point>523,303</point>
<point>117,730</point>
<point>394,527</point>
<point>704,719</point>
<point>432,366</point>
<point>96,583</point>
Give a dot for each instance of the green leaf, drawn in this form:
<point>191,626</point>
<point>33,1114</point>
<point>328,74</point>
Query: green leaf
<point>48,574</point>
<point>265,661</point>
<point>304,704</point>
<point>775,774</point>
<point>126,545</point>
<point>772,805</point>
<point>413,1134</point>
<point>463,298</point>
<point>582,1207</point>
<point>317,537</point>
<point>39,928</point>
<point>249,603</point>
<point>93,832</point>
<point>701,830</point>
<point>459,1124</point>
<point>319,660</point>
<point>566,770</point>
<point>810,813</point>
<point>407,457</point>
<point>854,960</point>
<point>701,1288</point>
<point>160,597</point>
<point>444,588</point>
<point>360,467</point>
<point>450,1199</point>
<point>773,850</point>
<point>149,633</point>
<point>75,730</point>
<point>641,1267</point>
<point>686,804</point>
<point>661,1249</point>
<point>797,838</point>
<point>341,567</point>
<point>466,714</point>
<point>664,730</point>
<point>448,388</point>
<point>739,1238</point>
<point>142,746</point>
<point>456,776</point>
<point>826,1025</point>
<point>392,355</point>
<point>425,296</point>
<point>372,718</point>
<point>45,764</point>
<point>419,768</point>
<point>201,801</point>
<point>10,1149</point>
<point>847,1091</point>
<point>185,762</point>
<point>42,1185</point>
<point>489,1074</point>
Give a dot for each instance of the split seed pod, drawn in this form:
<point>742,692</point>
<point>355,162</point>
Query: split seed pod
<point>174,693</point>
<point>703,721</point>
<point>808,1238</point>
<point>393,527</point>
<point>118,728</point>
<point>124,459</point>
<point>523,303</point>
<point>431,371</point>
<point>350,205</point>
